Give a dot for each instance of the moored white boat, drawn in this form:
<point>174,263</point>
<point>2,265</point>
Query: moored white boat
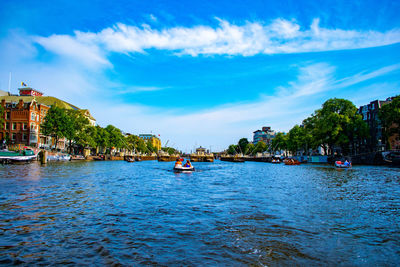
<point>23,156</point>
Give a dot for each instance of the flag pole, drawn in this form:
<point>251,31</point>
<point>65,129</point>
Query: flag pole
<point>9,83</point>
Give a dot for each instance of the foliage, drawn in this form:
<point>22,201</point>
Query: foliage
<point>242,144</point>
<point>335,124</point>
<point>260,147</point>
<point>170,150</point>
<point>249,149</point>
<point>101,137</point>
<point>232,150</point>
<point>150,147</point>
<point>295,139</point>
<point>115,137</point>
<point>56,123</point>
<point>389,115</point>
<point>279,142</point>
<point>77,128</point>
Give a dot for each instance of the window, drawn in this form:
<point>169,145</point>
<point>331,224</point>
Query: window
<point>7,126</point>
<point>33,127</point>
<point>14,126</point>
<point>25,127</point>
<point>13,136</point>
<point>8,115</point>
<point>33,116</point>
<point>24,136</point>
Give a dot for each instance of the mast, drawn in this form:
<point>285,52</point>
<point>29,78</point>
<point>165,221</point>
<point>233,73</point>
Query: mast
<point>9,84</point>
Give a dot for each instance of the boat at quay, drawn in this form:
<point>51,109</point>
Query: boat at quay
<point>26,155</point>
<point>221,214</point>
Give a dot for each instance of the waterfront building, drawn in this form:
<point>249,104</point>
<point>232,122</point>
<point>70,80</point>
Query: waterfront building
<point>24,113</point>
<point>155,141</point>
<point>266,134</point>
<point>375,141</point>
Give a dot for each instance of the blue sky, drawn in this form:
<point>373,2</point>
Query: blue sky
<point>202,73</point>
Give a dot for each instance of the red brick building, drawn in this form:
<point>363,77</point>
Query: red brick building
<point>22,120</point>
<point>24,113</point>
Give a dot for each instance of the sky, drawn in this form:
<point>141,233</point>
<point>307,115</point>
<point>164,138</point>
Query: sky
<point>201,73</point>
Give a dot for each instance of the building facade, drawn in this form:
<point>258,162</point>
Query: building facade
<point>23,115</point>
<point>376,140</point>
<point>266,134</point>
<point>22,122</point>
<point>155,141</point>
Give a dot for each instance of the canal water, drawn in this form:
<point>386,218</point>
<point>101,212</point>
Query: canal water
<point>229,214</point>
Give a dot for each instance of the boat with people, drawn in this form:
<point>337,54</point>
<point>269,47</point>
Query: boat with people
<point>130,159</point>
<point>26,155</point>
<point>342,164</point>
<point>180,167</point>
<point>291,161</point>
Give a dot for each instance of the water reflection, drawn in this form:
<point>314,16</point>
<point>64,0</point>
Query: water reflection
<point>222,214</point>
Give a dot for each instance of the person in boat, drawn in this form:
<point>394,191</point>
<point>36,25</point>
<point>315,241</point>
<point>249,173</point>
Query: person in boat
<point>187,164</point>
<point>178,163</point>
<point>346,163</point>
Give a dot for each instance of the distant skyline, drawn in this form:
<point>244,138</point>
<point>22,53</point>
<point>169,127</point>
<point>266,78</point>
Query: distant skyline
<point>206,73</point>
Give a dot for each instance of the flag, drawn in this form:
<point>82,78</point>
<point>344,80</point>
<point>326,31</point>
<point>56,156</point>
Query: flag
<point>23,84</point>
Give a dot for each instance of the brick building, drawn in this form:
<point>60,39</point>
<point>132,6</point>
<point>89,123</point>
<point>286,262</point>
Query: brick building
<point>24,113</point>
<point>376,141</point>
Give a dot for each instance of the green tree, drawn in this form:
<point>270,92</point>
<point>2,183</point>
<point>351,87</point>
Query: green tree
<point>389,115</point>
<point>232,150</point>
<point>335,124</point>
<point>242,144</point>
<point>170,150</point>
<point>77,128</point>
<point>249,149</point>
<point>295,140</point>
<point>56,124</point>
<point>260,147</point>
<point>279,142</point>
<point>150,147</point>
<point>116,139</point>
<point>101,137</point>
<point>131,141</point>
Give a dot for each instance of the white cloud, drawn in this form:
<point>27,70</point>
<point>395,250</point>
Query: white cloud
<point>250,38</point>
<point>137,89</point>
<point>364,76</point>
<point>153,18</point>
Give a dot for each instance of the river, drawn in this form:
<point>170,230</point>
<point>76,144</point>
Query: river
<point>229,214</point>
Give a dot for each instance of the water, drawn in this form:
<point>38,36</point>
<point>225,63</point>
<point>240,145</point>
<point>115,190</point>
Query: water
<point>225,214</point>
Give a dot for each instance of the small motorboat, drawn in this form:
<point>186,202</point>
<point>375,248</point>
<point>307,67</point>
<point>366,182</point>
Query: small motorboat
<point>341,164</point>
<point>180,168</point>
<point>26,155</point>
<point>291,162</point>
<point>130,159</point>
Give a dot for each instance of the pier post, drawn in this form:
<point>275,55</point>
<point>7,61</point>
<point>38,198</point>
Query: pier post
<point>43,156</point>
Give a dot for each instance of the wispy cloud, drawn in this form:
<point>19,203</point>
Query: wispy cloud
<point>365,75</point>
<point>137,89</point>
<point>248,39</point>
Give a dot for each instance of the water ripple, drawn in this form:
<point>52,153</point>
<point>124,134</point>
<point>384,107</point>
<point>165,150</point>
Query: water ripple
<point>118,213</point>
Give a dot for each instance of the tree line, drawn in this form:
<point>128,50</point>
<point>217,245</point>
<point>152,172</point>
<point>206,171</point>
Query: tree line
<point>75,127</point>
<point>335,126</point>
